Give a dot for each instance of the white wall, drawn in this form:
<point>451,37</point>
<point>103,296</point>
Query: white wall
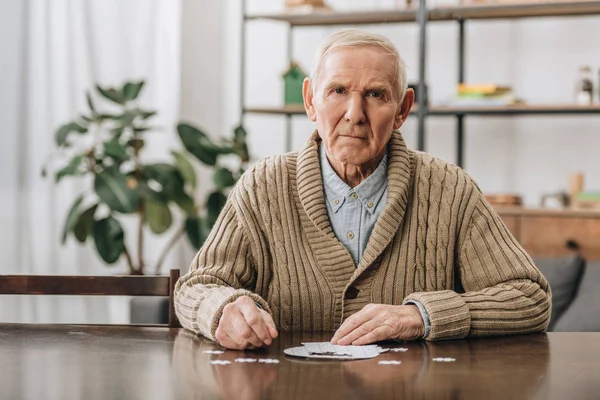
<point>11,75</point>
<point>540,58</point>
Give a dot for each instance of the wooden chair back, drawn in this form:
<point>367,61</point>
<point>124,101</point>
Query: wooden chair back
<point>94,286</point>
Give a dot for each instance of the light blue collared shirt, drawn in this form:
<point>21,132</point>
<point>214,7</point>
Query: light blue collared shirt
<point>353,212</point>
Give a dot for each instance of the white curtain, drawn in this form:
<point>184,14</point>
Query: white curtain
<point>52,51</point>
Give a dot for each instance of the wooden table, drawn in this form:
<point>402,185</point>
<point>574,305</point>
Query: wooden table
<point>85,362</point>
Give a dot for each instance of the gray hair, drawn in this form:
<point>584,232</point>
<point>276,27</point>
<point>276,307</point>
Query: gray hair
<point>358,38</point>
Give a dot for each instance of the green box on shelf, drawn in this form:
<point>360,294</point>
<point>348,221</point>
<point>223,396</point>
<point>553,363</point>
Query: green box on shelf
<point>293,79</point>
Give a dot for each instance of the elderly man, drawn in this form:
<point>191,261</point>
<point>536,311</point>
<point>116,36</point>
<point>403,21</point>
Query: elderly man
<point>356,234</point>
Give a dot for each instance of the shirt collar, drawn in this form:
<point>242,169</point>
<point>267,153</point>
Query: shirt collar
<point>337,191</point>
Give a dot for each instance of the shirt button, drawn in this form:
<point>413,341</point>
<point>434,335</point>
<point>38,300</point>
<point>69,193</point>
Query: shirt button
<point>350,235</point>
<point>370,204</point>
<point>336,202</point>
<point>354,196</point>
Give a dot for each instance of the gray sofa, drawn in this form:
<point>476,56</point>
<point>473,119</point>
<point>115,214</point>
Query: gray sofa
<point>575,293</point>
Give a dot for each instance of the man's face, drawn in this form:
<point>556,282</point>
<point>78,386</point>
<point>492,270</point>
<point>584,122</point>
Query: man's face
<point>355,104</point>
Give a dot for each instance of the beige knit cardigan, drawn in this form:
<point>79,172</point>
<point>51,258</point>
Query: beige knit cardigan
<point>437,241</point>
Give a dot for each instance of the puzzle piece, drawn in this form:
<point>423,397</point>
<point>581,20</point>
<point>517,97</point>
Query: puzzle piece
<point>220,362</point>
<point>390,362</point>
<point>268,360</point>
<point>213,352</point>
<point>245,360</point>
<point>399,350</point>
<point>444,359</point>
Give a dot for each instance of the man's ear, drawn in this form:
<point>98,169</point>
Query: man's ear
<point>307,94</point>
<point>404,109</point>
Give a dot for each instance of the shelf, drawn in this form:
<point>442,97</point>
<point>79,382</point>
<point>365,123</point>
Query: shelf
<point>285,110</point>
<point>493,11</point>
<point>525,109</point>
<point>546,212</point>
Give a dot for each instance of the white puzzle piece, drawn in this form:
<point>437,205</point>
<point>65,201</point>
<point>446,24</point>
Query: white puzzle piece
<point>444,359</point>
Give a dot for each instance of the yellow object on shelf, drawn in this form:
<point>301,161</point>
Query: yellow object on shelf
<point>482,89</point>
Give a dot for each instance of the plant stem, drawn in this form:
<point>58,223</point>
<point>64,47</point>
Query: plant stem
<point>132,269</point>
<point>168,247</point>
<point>138,175</point>
<point>140,248</point>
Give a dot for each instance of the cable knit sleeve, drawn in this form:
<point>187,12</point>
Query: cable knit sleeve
<point>222,271</point>
<point>504,292</point>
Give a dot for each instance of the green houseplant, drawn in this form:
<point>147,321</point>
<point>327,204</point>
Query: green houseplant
<point>108,148</point>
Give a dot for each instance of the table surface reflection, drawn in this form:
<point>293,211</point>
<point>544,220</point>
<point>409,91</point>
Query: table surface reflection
<point>116,362</point>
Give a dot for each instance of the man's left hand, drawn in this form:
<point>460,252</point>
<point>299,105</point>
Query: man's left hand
<point>377,322</point>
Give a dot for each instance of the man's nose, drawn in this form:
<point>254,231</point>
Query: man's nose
<point>355,113</point>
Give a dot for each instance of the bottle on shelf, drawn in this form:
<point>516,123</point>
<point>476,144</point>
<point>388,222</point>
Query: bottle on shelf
<point>584,91</point>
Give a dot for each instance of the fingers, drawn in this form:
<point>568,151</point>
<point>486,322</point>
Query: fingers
<point>241,330</point>
<point>256,321</point>
<point>356,320</point>
<point>376,335</point>
<point>270,323</point>
<point>228,342</point>
<point>362,331</point>
<point>243,325</point>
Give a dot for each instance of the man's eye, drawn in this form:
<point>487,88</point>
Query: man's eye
<point>375,94</point>
<point>338,91</point>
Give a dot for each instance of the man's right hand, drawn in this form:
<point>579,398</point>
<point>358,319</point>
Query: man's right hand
<point>243,325</point>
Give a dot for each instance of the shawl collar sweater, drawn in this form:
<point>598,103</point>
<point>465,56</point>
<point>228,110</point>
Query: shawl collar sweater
<point>437,242</point>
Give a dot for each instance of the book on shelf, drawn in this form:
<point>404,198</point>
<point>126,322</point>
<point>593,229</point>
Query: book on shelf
<point>482,95</point>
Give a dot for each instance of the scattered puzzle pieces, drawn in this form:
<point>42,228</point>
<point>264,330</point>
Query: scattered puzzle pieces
<point>268,360</point>
<point>220,362</point>
<point>399,350</point>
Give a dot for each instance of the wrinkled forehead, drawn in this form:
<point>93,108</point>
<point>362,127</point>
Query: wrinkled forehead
<point>365,63</point>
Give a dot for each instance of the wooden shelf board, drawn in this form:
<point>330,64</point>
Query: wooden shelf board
<point>524,109</point>
<point>492,11</point>
<point>285,110</point>
<point>546,212</point>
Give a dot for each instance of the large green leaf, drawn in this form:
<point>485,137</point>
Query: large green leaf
<point>149,194</point>
<point>158,216</point>
<point>111,94</point>
<point>117,191</point>
<point>114,149</point>
<point>85,223</point>
<point>223,178</point>
<point>172,184</point>
<point>186,169</point>
<point>71,168</point>
<point>72,218</point>
<point>109,239</point>
<point>131,90</point>
<point>214,205</point>
<point>198,144</point>
<point>63,132</point>
<point>197,231</point>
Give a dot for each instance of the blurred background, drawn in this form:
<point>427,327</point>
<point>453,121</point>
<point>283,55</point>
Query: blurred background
<point>188,53</point>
